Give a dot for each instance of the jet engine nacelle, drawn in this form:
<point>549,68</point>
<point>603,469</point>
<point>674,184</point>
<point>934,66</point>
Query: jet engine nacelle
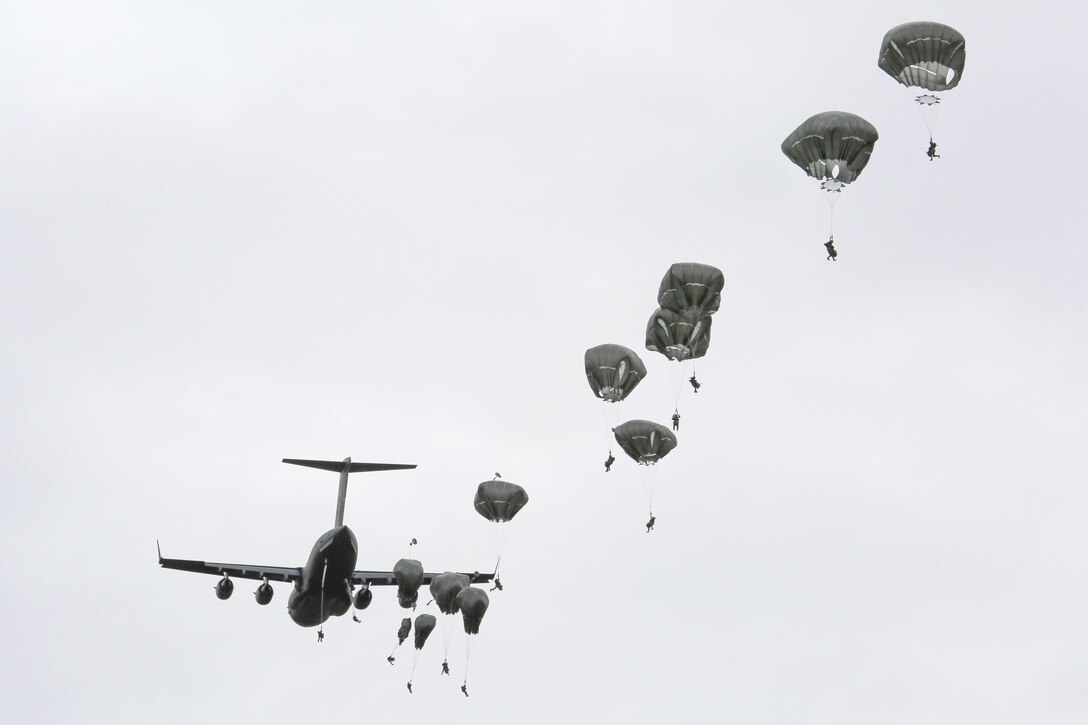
<point>263,594</point>
<point>363,597</point>
<point>224,588</point>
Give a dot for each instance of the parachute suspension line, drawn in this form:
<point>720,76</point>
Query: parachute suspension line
<point>676,377</point>
<point>395,648</point>
<point>500,544</point>
<point>649,478</point>
<point>415,660</point>
<point>929,116</point>
<point>446,634</point>
<point>607,424</point>
<point>468,653</point>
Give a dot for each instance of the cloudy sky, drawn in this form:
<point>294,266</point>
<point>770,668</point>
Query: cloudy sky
<point>233,233</point>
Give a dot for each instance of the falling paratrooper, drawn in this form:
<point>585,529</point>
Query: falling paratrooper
<point>499,501</point>
<point>613,372</point>
<point>473,603</point>
<point>926,55</point>
<point>689,293</point>
<point>646,443</point>
<point>444,589</point>
<point>833,147</point>
<point>402,634</point>
<point>425,624</point>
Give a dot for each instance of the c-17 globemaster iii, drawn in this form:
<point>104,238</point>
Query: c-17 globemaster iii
<point>324,586</point>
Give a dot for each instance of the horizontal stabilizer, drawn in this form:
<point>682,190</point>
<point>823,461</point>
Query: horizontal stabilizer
<point>348,466</point>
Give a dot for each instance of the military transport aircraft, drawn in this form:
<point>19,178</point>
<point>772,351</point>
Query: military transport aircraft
<point>324,586</point>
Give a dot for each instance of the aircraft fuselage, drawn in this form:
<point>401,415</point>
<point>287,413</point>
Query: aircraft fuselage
<point>324,590</point>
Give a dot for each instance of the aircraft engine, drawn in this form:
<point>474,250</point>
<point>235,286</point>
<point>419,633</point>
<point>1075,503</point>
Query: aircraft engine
<point>263,594</point>
<point>363,597</point>
<point>224,588</point>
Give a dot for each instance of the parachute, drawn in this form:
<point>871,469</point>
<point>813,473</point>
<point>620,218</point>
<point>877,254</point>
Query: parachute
<point>678,336</point>
<point>644,441</point>
<point>402,634</point>
<point>409,576</point>
<point>613,371</point>
<point>689,287</point>
<point>499,501</point>
<point>834,145</point>
<point>445,587</point>
<point>924,55</point>
<point>405,629</point>
<point>363,598</point>
<point>425,624</point>
<point>473,603</point>
<point>679,329</point>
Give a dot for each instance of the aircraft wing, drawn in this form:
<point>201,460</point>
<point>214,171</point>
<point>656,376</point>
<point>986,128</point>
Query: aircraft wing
<point>239,571</point>
<point>386,578</point>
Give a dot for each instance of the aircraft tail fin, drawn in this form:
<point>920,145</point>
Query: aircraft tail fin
<point>348,466</point>
<point>345,467</point>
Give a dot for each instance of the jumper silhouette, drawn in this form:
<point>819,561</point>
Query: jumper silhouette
<point>829,245</point>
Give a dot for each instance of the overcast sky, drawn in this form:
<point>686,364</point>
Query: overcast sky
<point>237,232</point>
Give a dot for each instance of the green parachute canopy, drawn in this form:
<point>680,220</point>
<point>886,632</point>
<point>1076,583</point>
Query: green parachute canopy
<point>499,500</point>
<point>473,604</point>
<point>405,629</point>
<point>678,336</point>
<point>832,145</point>
<point>644,441</point>
<point>689,287</point>
<point>409,576</point>
<point>613,371</point>
<point>445,587</point>
<point>924,55</point>
<point>424,626</point>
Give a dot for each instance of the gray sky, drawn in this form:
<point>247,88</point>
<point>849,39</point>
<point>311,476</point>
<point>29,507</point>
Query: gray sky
<point>389,230</point>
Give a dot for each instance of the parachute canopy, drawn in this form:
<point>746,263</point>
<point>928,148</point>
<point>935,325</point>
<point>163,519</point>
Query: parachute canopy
<point>678,336</point>
<point>445,588</point>
<point>405,629</point>
<point>924,55</point>
<point>646,442</point>
<point>832,145</point>
<point>363,598</point>
<point>409,576</point>
<point>691,287</point>
<point>473,603</point>
<point>424,626</point>
<point>499,500</point>
<point>613,371</point>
